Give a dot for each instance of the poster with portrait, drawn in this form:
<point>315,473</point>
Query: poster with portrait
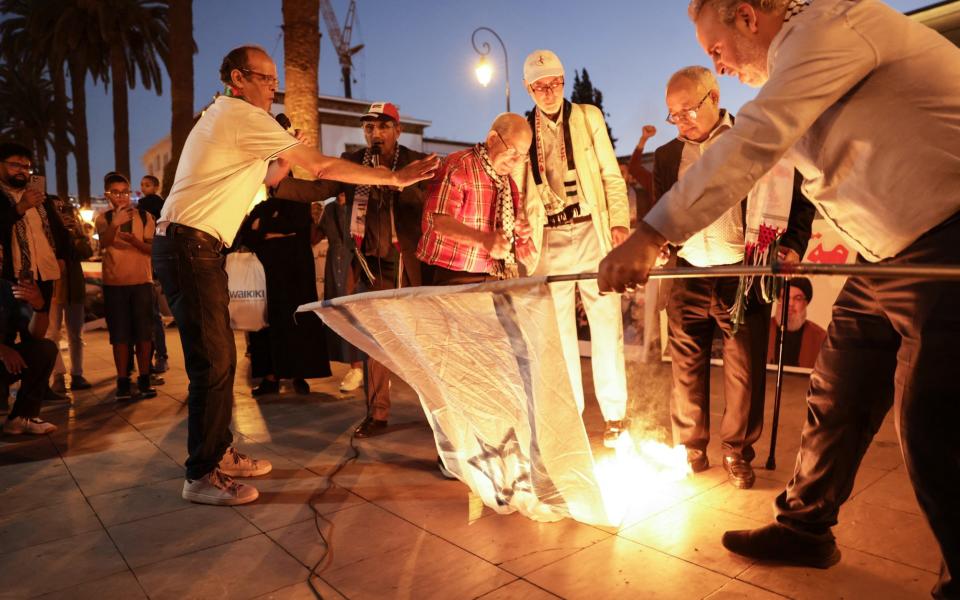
<point>810,317</point>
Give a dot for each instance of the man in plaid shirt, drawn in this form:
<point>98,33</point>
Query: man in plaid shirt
<point>470,230</point>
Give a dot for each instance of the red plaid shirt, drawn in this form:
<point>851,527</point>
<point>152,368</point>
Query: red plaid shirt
<point>461,189</point>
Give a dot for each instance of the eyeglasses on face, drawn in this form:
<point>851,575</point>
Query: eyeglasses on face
<point>511,152</point>
<point>687,113</point>
<point>264,77</point>
<point>543,88</point>
<point>19,166</point>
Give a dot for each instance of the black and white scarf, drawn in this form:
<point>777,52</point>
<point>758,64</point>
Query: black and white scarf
<point>555,206</point>
<point>505,218</point>
<point>26,261</point>
<point>361,202</point>
<point>794,8</point>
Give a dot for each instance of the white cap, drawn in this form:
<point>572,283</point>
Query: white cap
<point>540,64</point>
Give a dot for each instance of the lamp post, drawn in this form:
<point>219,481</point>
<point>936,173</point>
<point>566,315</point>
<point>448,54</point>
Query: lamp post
<point>484,69</point>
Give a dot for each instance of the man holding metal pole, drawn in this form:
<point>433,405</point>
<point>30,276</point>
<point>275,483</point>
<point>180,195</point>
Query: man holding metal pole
<point>830,72</point>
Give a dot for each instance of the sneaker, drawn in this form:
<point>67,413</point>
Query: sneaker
<point>218,489</point>
<point>34,426</point>
<point>782,544</point>
<point>59,385</point>
<point>123,389</point>
<point>77,382</point>
<point>236,464</point>
<point>156,380</point>
<point>612,433</point>
<point>160,365</point>
<point>145,388</point>
<point>301,387</point>
<point>51,395</point>
<point>352,380</point>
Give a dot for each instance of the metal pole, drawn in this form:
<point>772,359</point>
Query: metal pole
<point>784,313</point>
<point>486,51</point>
<point>877,271</point>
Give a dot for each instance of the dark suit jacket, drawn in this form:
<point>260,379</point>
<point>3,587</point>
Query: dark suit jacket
<point>408,209</point>
<point>666,168</point>
<point>9,218</point>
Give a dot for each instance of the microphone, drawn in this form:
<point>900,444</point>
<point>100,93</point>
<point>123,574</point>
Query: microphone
<point>284,121</point>
<point>375,155</point>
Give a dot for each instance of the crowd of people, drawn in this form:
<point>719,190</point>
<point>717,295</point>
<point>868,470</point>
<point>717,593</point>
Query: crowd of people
<point>545,195</point>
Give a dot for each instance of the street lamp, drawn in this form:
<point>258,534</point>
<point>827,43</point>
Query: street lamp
<point>484,69</point>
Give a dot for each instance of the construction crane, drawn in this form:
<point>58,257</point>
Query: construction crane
<point>341,40</point>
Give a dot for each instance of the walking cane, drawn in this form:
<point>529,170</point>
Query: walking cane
<point>784,310</point>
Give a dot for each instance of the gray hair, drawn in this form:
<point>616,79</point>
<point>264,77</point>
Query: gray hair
<point>727,9</point>
<point>701,76</point>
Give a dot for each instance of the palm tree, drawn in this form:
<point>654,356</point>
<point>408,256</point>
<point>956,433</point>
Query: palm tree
<point>136,34</point>
<point>26,108</point>
<point>24,38</point>
<point>301,57</point>
<point>75,38</point>
<point>180,69</point>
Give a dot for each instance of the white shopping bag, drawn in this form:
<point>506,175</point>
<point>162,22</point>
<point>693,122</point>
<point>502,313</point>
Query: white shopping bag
<point>248,291</point>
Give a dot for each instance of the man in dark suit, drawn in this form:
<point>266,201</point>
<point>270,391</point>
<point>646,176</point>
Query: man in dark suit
<point>384,228</point>
<point>696,308</point>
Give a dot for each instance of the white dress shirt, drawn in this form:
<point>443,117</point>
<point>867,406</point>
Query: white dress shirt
<point>721,242</point>
<point>867,102</point>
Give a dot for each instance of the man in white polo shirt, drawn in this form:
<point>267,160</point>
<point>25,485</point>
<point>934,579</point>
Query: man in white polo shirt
<point>234,149</point>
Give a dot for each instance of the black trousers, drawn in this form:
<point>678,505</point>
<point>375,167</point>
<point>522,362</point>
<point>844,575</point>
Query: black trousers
<point>191,272</point>
<point>696,309</point>
<point>40,356</point>
<point>892,343</point>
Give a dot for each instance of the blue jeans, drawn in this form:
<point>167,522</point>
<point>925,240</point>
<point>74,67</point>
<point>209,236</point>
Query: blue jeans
<point>191,272</point>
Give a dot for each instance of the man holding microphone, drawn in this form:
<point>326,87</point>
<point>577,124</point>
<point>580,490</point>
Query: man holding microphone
<point>235,147</point>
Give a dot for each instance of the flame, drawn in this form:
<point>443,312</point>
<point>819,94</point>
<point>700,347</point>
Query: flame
<point>638,476</point>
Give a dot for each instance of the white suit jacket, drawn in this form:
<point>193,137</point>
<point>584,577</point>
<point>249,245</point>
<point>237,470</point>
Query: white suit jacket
<point>603,192</point>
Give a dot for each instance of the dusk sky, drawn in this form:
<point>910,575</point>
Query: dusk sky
<point>418,55</point>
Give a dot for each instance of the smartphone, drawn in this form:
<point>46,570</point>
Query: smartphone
<point>128,226</point>
<point>38,182</point>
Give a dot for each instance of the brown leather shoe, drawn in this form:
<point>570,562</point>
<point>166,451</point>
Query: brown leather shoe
<point>697,459</point>
<point>739,471</point>
<point>779,543</point>
<point>370,427</point>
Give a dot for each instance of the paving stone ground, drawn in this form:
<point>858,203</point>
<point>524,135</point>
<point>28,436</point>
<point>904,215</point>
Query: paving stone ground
<point>94,511</point>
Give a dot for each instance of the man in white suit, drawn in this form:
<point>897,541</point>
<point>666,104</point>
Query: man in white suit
<point>576,202</point>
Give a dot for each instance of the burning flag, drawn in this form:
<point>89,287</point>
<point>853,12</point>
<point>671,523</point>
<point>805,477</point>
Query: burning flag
<point>487,365</point>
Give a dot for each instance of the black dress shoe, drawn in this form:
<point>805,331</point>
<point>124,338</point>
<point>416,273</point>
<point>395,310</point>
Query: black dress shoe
<point>697,459</point>
<point>370,427</point>
<point>739,471</point>
<point>779,543</point>
<point>301,387</point>
<point>266,387</point>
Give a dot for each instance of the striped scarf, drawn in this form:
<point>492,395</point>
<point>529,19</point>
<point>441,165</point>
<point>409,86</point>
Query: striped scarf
<point>505,218</point>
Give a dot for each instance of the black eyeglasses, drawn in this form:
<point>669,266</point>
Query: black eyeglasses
<point>19,166</point>
<point>688,113</point>
<point>516,154</point>
<point>262,76</point>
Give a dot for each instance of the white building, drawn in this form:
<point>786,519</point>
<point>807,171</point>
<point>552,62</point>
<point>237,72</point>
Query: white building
<point>339,132</point>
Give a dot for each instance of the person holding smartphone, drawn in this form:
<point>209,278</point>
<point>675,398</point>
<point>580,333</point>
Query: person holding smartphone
<point>30,227</point>
<point>126,234</point>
